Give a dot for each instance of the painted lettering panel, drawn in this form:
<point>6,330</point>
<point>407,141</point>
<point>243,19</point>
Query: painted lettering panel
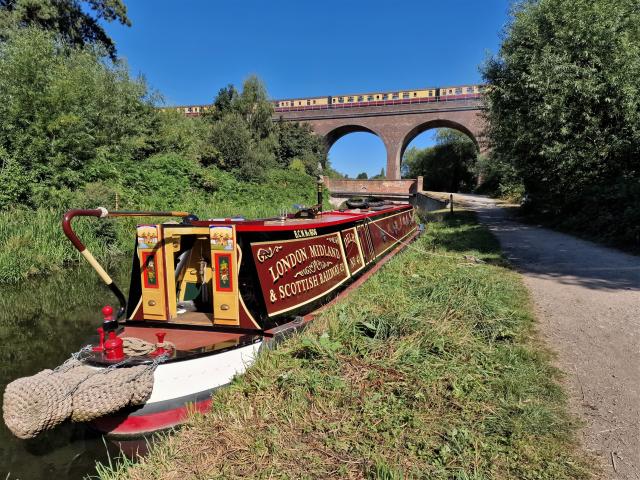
<point>295,272</point>
<point>365,243</point>
<point>386,231</point>
<point>352,250</point>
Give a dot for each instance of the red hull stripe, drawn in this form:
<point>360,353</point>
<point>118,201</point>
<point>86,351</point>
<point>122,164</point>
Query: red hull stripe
<point>133,427</point>
<point>153,417</point>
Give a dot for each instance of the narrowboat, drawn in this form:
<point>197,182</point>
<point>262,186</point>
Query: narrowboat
<point>207,295</point>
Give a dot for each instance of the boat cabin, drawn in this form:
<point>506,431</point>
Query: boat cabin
<point>186,274</point>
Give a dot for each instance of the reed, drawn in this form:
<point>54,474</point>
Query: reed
<point>430,370</point>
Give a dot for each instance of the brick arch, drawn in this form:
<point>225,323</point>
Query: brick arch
<point>395,125</point>
<point>332,136</point>
<point>437,123</point>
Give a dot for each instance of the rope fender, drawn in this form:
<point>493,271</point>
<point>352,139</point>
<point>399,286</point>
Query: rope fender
<point>77,391</point>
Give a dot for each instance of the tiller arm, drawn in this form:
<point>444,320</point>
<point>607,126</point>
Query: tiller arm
<point>101,212</point>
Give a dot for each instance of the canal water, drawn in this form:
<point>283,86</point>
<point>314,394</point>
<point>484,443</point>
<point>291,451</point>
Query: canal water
<point>43,321</point>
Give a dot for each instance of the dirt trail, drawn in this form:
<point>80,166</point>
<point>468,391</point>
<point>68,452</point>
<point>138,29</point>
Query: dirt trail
<point>587,301</point>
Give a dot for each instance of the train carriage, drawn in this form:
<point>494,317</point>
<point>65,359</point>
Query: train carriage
<point>374,99</point>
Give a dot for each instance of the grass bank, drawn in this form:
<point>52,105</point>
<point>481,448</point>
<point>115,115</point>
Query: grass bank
<point>430,370</point>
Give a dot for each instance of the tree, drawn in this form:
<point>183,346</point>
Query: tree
<point>232,140</point>
<point>223,102</point>
<point>66,117</point>
<point>380,176</point>
<point>254,106</point>
<point>563,109</point>
<point>362,176</point>
<point>297,141</point>
<point>247,141</point>
<point>447,166</point>
<point>75,21</point>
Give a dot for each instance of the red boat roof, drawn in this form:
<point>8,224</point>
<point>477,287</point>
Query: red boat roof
<point>326,219</point>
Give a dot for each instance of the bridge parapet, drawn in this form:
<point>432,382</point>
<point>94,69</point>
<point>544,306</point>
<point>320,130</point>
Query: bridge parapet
<point>354,111</point>
<point>400,190</point>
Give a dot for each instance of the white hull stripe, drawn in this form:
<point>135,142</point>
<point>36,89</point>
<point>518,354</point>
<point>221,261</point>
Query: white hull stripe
<point>186,378</point>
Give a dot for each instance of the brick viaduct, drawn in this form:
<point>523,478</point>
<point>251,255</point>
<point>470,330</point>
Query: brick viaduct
<point>395,125</point>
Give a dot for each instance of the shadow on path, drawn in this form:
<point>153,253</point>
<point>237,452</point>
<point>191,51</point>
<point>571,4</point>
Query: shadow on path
<point>571,261</point>
<point>587,300</point>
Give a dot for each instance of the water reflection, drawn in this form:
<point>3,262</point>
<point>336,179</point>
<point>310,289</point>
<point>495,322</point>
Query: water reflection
<point>42,322</point>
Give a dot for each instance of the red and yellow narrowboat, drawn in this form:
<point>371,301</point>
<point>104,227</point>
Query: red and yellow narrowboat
<point>209,294</point>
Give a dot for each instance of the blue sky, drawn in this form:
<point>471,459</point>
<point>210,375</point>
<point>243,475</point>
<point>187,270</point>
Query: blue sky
<point>188,50</point>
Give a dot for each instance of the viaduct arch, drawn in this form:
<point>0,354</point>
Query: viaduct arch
<point>395,125</point>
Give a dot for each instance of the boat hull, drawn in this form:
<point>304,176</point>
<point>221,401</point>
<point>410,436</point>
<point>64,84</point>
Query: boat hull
<point>165,409</point>
<point>179,388</point>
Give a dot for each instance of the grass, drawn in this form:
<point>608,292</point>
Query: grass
<point>430,370</point>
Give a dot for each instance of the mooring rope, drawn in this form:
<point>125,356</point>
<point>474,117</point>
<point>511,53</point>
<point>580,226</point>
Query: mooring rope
<point>413,247</point>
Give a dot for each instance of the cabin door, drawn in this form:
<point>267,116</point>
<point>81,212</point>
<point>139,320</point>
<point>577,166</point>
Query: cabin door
<point>151,255</point>
<point>224,267</point>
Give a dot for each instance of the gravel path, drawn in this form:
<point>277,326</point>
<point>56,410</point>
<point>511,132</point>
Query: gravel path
<point>587,300</point>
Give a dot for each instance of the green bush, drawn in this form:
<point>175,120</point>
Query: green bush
<point>448,166</point>
<point>66,117</point>
<point>563,110</point>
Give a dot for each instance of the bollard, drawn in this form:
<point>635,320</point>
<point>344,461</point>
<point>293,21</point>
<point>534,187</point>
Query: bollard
<point>451,202</point>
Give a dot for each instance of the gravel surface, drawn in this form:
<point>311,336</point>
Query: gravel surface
<point>587,300</point>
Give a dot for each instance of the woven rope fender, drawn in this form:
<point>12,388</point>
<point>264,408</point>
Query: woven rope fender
<point>106,393</point>
<point>76,391</point>
<point>42,401</point>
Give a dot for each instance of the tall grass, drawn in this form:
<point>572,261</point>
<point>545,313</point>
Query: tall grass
<point>430,370</point>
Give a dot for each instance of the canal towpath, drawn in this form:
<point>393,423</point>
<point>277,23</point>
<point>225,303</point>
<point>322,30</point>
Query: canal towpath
<point>587,299</point>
